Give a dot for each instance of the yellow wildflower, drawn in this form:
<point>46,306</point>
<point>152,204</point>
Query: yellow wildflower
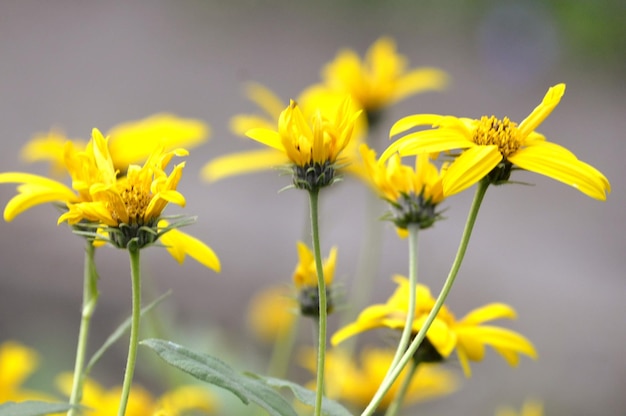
<point>468,336</point>
<point>105,402</point>
<point>529,408</point>
<point>131,142</point>
<point>312,147</point>
<point>381,78</point>
<point>356,385</point>
<point>17,362</point>
<point>305,279</point>
<point>493,147</point>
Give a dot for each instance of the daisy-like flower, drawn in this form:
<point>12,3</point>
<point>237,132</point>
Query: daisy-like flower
<point>271,313</point>
<point>468,336</point>
<point>310,103</point>
<point>131,142</point>
<point>104,402</point>
<point>529,408</point>
<point>17,363</point>
<point>305,279</point>
<point>356,384</point>
<point>381,78</point>
<point>492,147</point>
<point>413,193</point>
<point>314,146</point>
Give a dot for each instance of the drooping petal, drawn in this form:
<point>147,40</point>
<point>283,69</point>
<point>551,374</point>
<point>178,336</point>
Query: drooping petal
<point>180,244</point>
<point>470,167</point>
<point>543,110</point>
<point>568,170</point>
<point>488,313</point>
<point>241,163</point>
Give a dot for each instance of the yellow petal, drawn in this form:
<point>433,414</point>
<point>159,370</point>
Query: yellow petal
<point>409,122</point>
<point>470,167</point>
<point>568,170</point>
<point>267,137</point>
<point>265,99</point>
<point>419,80</point>
<point>488,313</point>
<point>180,244</point>
<point>543,110</point>
<point>428,141</point>
<point>351,330</point>
<point>241,123</point>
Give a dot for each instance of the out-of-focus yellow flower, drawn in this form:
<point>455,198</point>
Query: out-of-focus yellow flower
<point>305,279</point>
<point>131,142</point>
<point>468,336</point>
<point>529,408</point>
<point>105,402</point>
<point>493,147</point>
<point>326,103</point>
<point>271,313</point>
<point>381,78</point>
<point>313,146</point>
<point>17,362</point>
<point>356,385</point>
<point>413,193</point>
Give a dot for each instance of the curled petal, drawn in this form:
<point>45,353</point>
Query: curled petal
<point>543,110</point>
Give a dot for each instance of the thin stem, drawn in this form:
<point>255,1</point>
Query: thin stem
<point>456,265</point>
<point>410,315</point>
<point>134,328</point>
<point>90,300</point>
<point>321,288</point>
<point>396,405</point>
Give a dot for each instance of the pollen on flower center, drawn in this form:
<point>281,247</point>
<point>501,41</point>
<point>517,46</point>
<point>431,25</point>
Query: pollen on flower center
<point>502,133</point>
<point>136,201</point>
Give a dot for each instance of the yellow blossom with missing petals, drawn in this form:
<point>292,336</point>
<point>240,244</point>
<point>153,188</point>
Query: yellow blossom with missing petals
<point>131,142</point>
<point>381,78</point>
<point>492,147</point>
<point>105,402</point>
<point>468,336</point>
<point>356,384</point>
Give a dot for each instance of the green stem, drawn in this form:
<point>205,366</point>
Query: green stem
<point>456,265</point>
<point>134,328</point>
<point>321,288</point>
<point>410,316</point>
<point>90,300</point>
<point>396,405</point>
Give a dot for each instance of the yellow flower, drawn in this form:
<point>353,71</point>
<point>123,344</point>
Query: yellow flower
<point>356,385</point>
<point>312,147</point>
<point>271,313</point>
<point>381,78</point>
<point>17,362</point>
<point>105,402</point>
<point>131,142</point>
<point>305,279</point>
<point>414,193</point>
<point>180,244</point>
<point>468,336</point>
<point>493,147</point>
<point>529,408</point>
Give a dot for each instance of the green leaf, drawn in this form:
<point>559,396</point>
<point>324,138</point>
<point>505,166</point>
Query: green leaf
<point>306,396</point>
<point>33,408</point>
<point>117,334</point>
<point>214,371</point>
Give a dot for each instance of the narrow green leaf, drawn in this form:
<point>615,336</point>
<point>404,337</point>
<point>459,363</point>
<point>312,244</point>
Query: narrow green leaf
<point>117,334</point>
<point>33,408</point>
<point>214,371</point>
<point>306,396</point>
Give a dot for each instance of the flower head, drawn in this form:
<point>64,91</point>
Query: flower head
<point>17,362</point>
<point>314,146</point>
<point>356,383</point>
<point>131,142</point>
<point>413,193</point>
<point>305,279</point>
<point>492,147</point>
<point>381,78</point>
<point>468,336</point>
<point>105,402</point>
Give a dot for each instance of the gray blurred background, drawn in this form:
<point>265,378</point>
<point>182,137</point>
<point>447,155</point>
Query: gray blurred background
<point>549,251</point>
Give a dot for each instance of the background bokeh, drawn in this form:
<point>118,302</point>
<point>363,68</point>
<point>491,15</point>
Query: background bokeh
<point>555,255</point>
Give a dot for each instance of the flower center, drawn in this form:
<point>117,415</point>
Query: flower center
<point>502,133</point>
<point>136,201</point>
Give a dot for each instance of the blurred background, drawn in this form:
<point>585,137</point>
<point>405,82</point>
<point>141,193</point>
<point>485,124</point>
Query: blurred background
<point>553,254</point>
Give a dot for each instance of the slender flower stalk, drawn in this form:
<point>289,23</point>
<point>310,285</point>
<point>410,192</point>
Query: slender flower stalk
<point>135,275</point>
<point>396,404</point>
<point>456,265</point>
<point>90,300</point>
<point>323,314</point>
